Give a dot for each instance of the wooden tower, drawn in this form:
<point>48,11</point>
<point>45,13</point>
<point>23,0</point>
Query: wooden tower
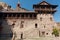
<point>44,7</point>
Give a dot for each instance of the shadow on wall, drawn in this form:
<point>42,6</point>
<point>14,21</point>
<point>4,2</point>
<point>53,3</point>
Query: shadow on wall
<point>6,32</point>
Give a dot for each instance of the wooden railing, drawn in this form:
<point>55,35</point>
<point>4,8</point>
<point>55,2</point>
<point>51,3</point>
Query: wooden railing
<point>46,9</point>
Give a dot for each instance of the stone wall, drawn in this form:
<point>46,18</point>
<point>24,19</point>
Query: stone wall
<point>29,30</point>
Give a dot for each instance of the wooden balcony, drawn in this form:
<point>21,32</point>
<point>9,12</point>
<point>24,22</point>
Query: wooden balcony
<point>46,10</point>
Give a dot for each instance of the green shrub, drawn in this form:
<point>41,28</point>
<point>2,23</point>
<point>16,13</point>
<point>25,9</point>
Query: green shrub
<point>55,32</point>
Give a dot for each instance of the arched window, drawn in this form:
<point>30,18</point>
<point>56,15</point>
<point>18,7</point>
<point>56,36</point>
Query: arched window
<point>36,25</point>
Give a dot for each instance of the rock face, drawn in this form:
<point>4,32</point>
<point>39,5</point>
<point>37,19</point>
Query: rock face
<point>4,5</point>
<point>20,23</point>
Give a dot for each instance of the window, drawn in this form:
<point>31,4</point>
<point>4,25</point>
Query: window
<point>39,33</point>
<point>43,7</point>
<point>51,18</point>
<point>44,26</point>
<point>46,33</point>
<point>21,35</point>
<point>35,25</point>
<point>13,25</point>
<point>22,24</point>
<point>43,33</point>
<point>40,18</point>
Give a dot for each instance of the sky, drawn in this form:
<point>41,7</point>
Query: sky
<point>28,4</point>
